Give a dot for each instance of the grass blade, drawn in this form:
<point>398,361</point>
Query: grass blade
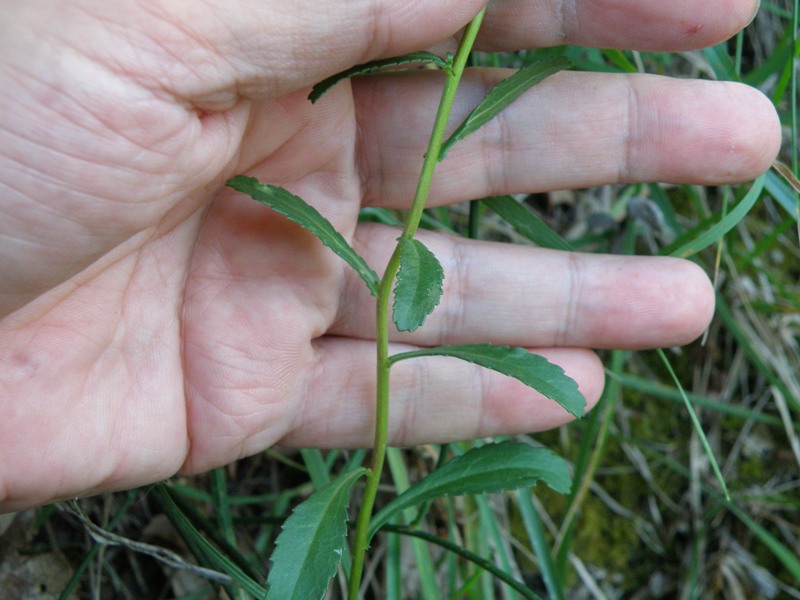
<point>205,526</point>
<point>486,469</point>
<point>419,285</point>
<point>311,543</point>
<point>531,369</point>
<point>696,422</point>
<point>535,529</point>
<point>721,63</point>
<point>219,488</point>
<point>526,223</point>
<point>201,547</point>
<point>374,66</point>
<point>778,549</point>
<point>298,210</point>
<point>711,234</point>
<point>785,172</point>
<point>317,470</point>
<point>503,94</point>
<point>465,554</point>
<point>499,544</point>
<point>423,561</point>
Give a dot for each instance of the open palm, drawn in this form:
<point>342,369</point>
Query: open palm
<point>157,321</point>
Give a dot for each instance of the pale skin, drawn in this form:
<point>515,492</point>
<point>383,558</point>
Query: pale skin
<point>156,322</point>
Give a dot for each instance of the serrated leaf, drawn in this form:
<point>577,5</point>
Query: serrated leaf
<point>373,66</point>
<point>298,210</point>
<point>419,285</point>
<point>311,543</point>
<point>503,94</point>
<point>488,469</point>
<point>526,223</point>
<point>531,369</point>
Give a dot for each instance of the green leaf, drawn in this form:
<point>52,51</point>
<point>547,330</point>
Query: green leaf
<point>488,469</point>
<point>419,285</point>
<point>526,223</point>
<point>298,210</point>
<point>376,65</point>
<point>786,555</point>
<point>696,423</point>
<point>200,546</point>
<point>712,234</point>
<point>720,62</point>
<point>531,369</point>
<point>538,543</point>
<point>503,94</point>
<point>311,542</point>
<point>472,557</point>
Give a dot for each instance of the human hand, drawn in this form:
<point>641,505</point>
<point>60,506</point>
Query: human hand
<point>155,321</point>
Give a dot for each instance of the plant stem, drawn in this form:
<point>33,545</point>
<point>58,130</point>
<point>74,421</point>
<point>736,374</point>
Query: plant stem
<point>453,77</point>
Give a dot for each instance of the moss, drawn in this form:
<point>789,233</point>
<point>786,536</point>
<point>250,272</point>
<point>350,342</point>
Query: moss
<point>604,539</point>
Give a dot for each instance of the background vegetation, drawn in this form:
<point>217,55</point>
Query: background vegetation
<point>647,517</point>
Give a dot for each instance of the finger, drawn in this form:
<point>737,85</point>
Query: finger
<point>572,130</point>
<point>226,50</point>
<point>525,296</point>
<point>631,24</point>
<point>261,49</point>
<point>433,400</point>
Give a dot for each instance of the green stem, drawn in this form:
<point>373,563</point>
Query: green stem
<point>453,77</point>
<point>439,126</point>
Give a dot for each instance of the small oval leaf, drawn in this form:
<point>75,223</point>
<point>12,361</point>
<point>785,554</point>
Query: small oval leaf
<point>311,543</point>
<point>298,210</point>
<point>419,285</point>
<point>503,94</point>
<point>531,369</point>
<point>420,58</point>
<point>488,469</point>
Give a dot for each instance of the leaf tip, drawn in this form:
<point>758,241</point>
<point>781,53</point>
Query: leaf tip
<point>239,182</point>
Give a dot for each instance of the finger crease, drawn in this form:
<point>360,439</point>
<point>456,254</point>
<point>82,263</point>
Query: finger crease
<point>566,330</point>
<point>632,126</point>
<point>457,294</point>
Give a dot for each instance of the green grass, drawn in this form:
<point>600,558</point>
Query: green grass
<point>647,514</point>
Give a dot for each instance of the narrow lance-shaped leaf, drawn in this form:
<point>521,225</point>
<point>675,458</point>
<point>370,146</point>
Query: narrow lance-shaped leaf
<point>419,285</point>
<point>531,369</point>
<point>712,234</point>
<point>503,94</point>
<point>298,210</point>
<point>376,65</point>
<point>458,550</point>
<point>785,172</point>
<point>526,223</point>
<point>488,469</point>
<point>200,546</point>
<point>787,555</point>
<point>311,543</point>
